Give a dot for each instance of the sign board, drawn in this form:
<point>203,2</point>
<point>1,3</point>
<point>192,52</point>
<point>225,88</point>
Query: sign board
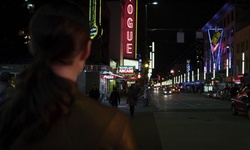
<point>129,28</point>
<point>126,69</point>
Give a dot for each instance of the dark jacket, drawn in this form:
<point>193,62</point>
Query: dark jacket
<point>94,93</point>
<point>114,98</point>
<point>132,97</point>
<point>90,126</point>
<point>6,89</point>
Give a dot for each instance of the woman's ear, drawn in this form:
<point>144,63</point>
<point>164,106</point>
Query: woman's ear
<point>86,52</point>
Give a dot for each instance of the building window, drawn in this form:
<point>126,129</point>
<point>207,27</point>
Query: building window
<point>232,16</point>
<point>247,45</point>
<point>242,47</point>
<point>232,31</point>
<point>238,48</point>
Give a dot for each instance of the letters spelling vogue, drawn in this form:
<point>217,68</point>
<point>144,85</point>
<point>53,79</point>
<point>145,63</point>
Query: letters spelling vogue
<point>129,27</point>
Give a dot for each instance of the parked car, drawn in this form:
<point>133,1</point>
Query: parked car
<point>245,88</point>
<point>241,104</point>
<point>167,90</point>
<point>218,94</point>
<point>229,93</point>
<point>210,94</point>
<point>176,90</point>
<point>224,93</point>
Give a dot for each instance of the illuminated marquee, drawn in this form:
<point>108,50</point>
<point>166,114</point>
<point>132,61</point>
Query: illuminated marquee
<point>215,38</point>
<point>129,25</point>
<point>126,69</point>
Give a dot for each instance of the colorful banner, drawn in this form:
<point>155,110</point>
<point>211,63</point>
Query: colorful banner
<point>215,39</point>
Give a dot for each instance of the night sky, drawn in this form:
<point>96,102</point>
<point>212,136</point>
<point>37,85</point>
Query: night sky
<point>171,16</point>
<point>168,17</point>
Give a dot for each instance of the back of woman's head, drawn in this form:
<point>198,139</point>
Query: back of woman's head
<point>59,31</point>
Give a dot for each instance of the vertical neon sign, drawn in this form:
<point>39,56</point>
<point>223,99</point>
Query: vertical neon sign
<point>188,70</point>
<point>129,25</point>
<point>205,72</point>
<point>243,63</point>
<point>92,19</point>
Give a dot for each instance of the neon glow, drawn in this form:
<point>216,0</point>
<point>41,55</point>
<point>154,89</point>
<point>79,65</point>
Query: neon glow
<point>153,55</point>
<point>188,70</point>
<point>243,63</point>
<point>227,68</point>
<point>198,74</point>
<point>214,68</point>
<point>126,69</point>
<point>205,72</point>
<point>111,77</point>
<point>215,47</point>
<point>192,76</point>
<point>215,39</point>
<point>129,34</point>
<point>92,19</point>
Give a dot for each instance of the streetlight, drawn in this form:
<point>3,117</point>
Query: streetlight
<point>146,23</point>
<point>146,47</point>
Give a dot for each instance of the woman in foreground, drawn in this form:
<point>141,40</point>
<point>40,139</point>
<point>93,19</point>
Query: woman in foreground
<point>47,112</point>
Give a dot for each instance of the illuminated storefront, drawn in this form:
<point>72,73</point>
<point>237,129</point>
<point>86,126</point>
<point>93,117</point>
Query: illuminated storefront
<point>121,38</point>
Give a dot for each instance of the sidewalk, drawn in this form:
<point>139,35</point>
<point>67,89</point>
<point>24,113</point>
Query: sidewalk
<point>144,125</point>
<point>140,107</point>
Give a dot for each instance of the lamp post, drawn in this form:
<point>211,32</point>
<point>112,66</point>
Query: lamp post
<point>146,24</point>
<point>146,49</point>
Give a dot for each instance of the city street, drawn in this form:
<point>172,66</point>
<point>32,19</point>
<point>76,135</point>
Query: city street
<point>190,122</point>
<point>186,101</point>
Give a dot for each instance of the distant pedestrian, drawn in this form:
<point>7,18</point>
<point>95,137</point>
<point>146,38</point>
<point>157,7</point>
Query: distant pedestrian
<point>94,92</point>
<point>132,100</point>
<point>6,89</point>
<point>114,98</point>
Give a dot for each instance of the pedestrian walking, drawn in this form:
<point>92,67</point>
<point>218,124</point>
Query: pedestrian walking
<point>6,89</point>
<point>94,92</point>
<point>114,98</point>
<point>47,111</point>
<point>132,100</point>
